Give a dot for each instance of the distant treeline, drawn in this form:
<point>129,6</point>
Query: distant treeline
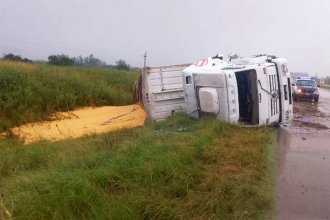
<point>14,57</point>
<point>65,60</point>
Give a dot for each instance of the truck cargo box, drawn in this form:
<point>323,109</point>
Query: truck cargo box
<point>162,91</point>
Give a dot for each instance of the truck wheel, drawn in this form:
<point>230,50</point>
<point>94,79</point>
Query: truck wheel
<point>316,100</point>
<point>295,98</point>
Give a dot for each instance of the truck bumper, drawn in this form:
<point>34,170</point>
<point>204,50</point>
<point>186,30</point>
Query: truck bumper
<point>306,96</point>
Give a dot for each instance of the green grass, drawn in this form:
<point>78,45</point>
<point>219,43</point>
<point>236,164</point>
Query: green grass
<point>32,92</point>
<point>177,169</point>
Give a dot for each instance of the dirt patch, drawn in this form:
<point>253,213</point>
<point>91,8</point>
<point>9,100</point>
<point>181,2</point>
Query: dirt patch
<point>81,122</point>
<point>309,115</point>
<point>307,108</point>
<point>317,126</point>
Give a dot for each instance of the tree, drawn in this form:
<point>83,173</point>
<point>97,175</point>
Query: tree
<point>79,61</point>
<point>122,65</point>
<point>14,57</point>
<point>91,60</point>
<point>60,60</point>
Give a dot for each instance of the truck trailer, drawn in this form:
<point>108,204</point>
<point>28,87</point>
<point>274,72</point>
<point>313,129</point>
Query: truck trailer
<point>248,91</point>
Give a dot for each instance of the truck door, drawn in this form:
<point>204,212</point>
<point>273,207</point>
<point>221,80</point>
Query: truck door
<point>273,95</point>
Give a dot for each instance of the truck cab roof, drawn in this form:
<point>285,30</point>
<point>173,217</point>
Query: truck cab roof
<point>214,65</point>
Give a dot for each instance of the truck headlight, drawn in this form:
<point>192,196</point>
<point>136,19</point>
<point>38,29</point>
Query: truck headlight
<point>298,90</point>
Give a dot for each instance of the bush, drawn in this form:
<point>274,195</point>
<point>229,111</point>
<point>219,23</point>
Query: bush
<point>60,60</point>
<point>122,65</point>
<point>14,57</point>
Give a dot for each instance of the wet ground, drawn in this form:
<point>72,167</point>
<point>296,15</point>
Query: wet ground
<point>303,180</point>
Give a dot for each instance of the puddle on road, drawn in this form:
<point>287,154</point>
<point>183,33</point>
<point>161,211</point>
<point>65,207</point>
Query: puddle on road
<point>81,122</point>
<point>303,172</point>
<point>303,179</point>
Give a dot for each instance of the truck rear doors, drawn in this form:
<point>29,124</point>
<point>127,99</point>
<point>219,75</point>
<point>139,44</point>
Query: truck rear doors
<point>162,91</point>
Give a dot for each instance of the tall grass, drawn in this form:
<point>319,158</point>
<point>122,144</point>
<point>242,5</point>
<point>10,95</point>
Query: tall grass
<point>177,169</point>
<point>31,92</point>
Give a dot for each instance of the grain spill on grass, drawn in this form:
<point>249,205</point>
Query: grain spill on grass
<point>81,122</point>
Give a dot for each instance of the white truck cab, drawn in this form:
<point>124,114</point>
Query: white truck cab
<point>252,91</point>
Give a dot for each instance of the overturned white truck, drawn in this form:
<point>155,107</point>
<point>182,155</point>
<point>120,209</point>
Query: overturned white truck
<point>252,91</point>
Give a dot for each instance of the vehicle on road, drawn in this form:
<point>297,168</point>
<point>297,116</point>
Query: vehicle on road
<point>252,91</point>
<point>305,89</point>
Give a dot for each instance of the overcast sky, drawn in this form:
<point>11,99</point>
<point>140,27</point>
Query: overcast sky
<point>171,31</point>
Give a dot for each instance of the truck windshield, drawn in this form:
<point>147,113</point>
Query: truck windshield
<point>306,83</point>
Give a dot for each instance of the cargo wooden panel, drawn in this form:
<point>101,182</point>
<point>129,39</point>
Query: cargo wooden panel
<point>166,81</point>
<point>162,89</point>
<point>170,106</point>
<point>171,68</point>
<point>167,87</point>
<point>162,96</point>
<point>174,74</point>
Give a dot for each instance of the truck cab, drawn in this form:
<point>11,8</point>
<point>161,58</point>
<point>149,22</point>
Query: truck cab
<point>249,91</point>
<point>253,91</point>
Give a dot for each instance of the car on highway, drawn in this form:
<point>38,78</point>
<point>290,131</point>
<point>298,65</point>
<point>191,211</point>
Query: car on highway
<point>305,89</point>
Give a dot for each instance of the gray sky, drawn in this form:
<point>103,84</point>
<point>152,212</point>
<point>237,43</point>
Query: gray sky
<point>172,31</point>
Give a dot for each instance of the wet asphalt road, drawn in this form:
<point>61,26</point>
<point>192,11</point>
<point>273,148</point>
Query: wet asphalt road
<point>303,174</point>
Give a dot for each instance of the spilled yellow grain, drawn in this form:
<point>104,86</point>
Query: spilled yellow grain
<point>82,122</point>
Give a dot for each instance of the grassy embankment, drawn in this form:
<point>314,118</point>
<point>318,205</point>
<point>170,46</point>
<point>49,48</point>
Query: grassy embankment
<point>178,169</point>
<point>31,92</point>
